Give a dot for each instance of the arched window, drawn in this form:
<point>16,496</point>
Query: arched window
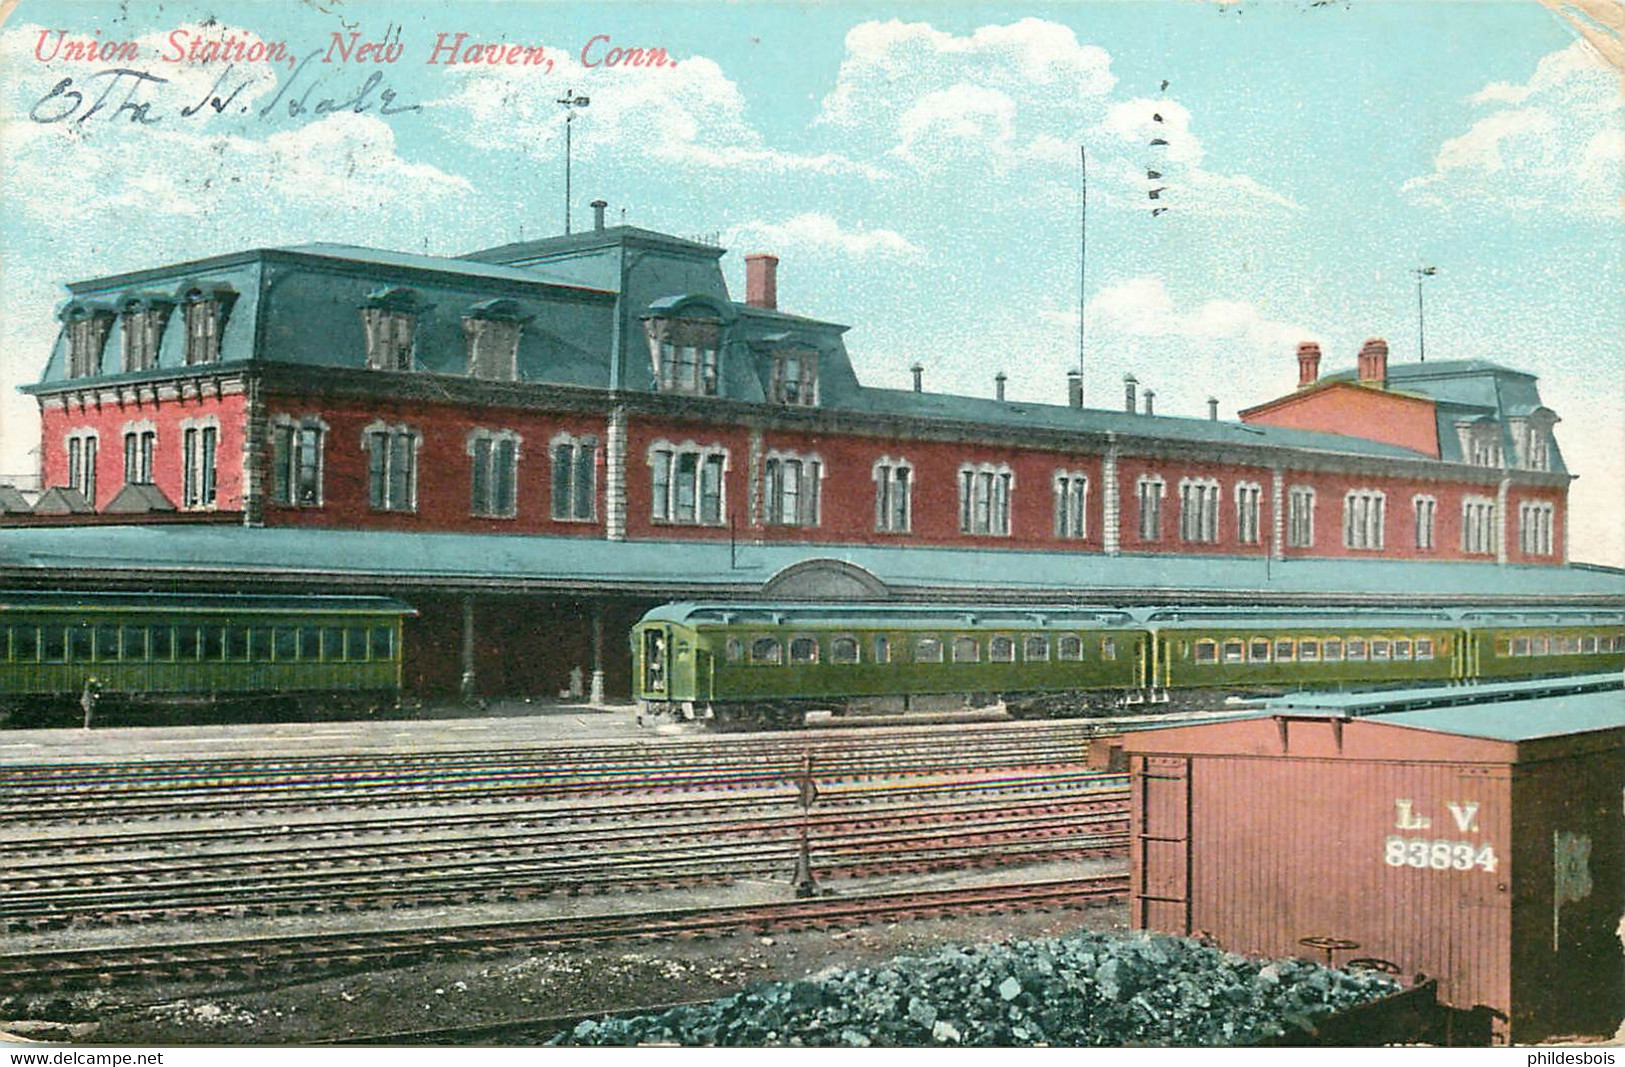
<point>1363,518</point>
<point>1071,505</point>
<point>791,489</point>
<point>804,650</point>
<point>1199,510</point>
<point>843,649</point>
<point>389,321</point>
<point>766,650</point>
<point>200,447</point>
<point>297,460</point>
<point>984,498</point>
<point>492,330</point>
<point>574,482</point>
<point>1149,489</point>
<point>894,488</point>
<point>684,352</point>
<point>392,466</point>
<point>928,650</point>
<point>1249,501</point>
<point>1069,647</point>
<point>1001,650</point>
<point>1035,648</point>
<point>494,477</point>
<point>687,484</point>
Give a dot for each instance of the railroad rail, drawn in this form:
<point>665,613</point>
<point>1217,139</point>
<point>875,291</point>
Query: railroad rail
<point>395,874</point>
<point>249,957</point>
<point>132,790</point>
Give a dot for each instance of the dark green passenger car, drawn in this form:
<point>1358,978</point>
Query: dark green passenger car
<point>772,663</point>
<point>145,650</point>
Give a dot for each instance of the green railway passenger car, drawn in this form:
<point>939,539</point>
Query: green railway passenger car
<point>772,663</point>
<point>202,651</point>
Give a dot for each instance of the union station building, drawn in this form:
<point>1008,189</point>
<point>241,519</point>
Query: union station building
<point>534,443</point>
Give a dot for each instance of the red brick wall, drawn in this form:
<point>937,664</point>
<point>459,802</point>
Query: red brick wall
<point>109,420</point>
<point>1131,468</point>
<point>444,467</point>
<point>642,434</point>
<point>1357,411</point>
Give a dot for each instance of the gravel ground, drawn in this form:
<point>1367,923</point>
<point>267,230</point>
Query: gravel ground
<point>591,980</point>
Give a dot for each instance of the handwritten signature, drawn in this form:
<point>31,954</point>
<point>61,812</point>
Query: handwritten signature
<point>123,91</point>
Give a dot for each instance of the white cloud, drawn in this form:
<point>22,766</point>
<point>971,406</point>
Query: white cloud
<point>1551,143</point>
<point>688,115</point>
<point>1023,95</point>
<point>821,233</point>
<point>1143,307</point>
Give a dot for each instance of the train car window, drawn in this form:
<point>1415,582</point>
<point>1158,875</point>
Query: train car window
<point>383,642</point>
<point>1588,643</point>
<point>1207,651</point>
<point>1035,648</point>
<point>236,642</point>
<point>310,643</point>
<point>1001,650</point>
<point>1537,645</point>
<point>1258,650</point>
<point>803,650</point>
<point>186,642</point>
<point>53,642</point>
<point>79,644</point>
<point>25,644</point>
<point>1284,652</point>
<point>843,650</point>
<point>259,644</point>
<point>1402,650</point>
<point>967,649</point>
<point>1503,647</point>
<point>882,648</point>
<point>1354,650</point>
<point>1233,651</point>
<point>733,650</point>
<point>1108,648</point>
<point>928,650</point>
<point>161,645</point>
<point>355,642</point>
<point>332,643</point>
<point>766,650</point>
<point>1331,649</point>
<point>1424,648</point>
<point>107,642</point>
<point>285,643</point>
<point>1520,646</point>
<point>5,644</point>
<point>1571,645</point>
<point>135,642</point>
<point>1381,650</point>
<point>1308,650</point>
<point>1069,647</point>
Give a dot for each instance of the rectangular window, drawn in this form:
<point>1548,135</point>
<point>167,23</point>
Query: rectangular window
<point>1354,650</point>
<point>688,464</point>
<point>1300,511</point>
<point>138,449</point>
<point>1071,506</point>
<point>660,492</point>
<point>574,479</point>
<point>80,644</point>
<point>984,500</point>
<point>1426,508</point>
<point>202,331</point>
<point>296,465</point>
<point>494,476</point>
<point>82,466</point>
<point>892,500</point>
<point>1206,651</point>
<point>198,447</point>
<point>1150,494</point>
<point>392,470</point>
<point>1248,497</point>
<point>285,644</point>
<point>214,643</point>
<point>310,643</point>
<point>1284,652</point>
<point>1199,511</point>
<point>1402,649</point>
<point>1331,649</point>
<point>25,644</point>
<point>1363,519</point>
<point>882,648</point>
<point>187,644</point>
<point>383,643</point>
<point>711,491</point>
<point>53,644</point>
<point>1308,651</point>
<point>928,650</point>
<point>161,643</point>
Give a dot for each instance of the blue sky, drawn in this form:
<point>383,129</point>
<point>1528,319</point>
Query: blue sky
<point>915,167</point>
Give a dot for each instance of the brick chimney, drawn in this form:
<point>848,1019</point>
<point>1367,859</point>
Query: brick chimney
<point>998,384</point>
<point>1374,362</point>
<point>598,207</point>
<point>1213,409</point>
<point>918,371</point>
<point>762,281</point>
<point>1150,401</point>
<point>1129,383</point>
<point>1308,363</point>
<point>1074,388</point>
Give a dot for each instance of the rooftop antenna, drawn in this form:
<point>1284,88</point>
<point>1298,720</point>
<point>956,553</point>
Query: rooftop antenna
<point>1083,249</point>
<point>1421,336</point>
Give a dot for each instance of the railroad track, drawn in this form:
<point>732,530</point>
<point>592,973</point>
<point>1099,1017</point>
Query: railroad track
<point>564,860</point>
<point>125,792</point>
<point>252,957</point>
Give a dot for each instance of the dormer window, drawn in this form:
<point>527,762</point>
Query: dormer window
<point>144,322</point>
<point>1480,442</point>
<point>493,329</point>
<point>205,312</point>
<point>795,377</point>
<point>1532,439</point>
<point>684,354</point>
<point>87,336</point>
<point>389,319</point>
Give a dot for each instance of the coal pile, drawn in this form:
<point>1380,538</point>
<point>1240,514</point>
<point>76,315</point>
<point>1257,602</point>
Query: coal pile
<point>1087,989</point>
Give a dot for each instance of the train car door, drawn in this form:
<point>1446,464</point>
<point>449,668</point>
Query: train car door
<point>656,643</point>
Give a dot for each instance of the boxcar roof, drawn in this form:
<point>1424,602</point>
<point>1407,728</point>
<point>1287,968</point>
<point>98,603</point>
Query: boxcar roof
<point>862,616</point>
<point>30,600</point>
<point>1521,720</point>
<point>1387,702</point>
